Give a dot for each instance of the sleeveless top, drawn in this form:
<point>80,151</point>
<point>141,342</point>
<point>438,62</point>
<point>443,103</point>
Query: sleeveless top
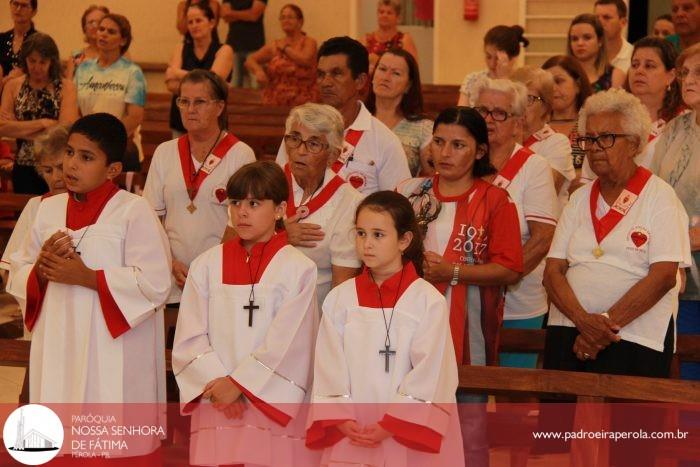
<point>290,84</point>
<point>191,62</point>
<point>604,81</point>
<point>374,46</point>
<point>33,104</point>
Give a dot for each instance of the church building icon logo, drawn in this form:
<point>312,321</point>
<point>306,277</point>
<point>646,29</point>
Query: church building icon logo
<point>33,434</point>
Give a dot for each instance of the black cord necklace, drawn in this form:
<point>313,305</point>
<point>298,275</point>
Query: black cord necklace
<point>251,306</point>
<point>94,218</point>
<point>387,352</point>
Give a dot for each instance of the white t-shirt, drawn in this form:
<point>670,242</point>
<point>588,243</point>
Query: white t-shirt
<point>336,219</point>
<point>191,234</point>
<point>623,59</point>
<point>532,191</point>
<point>377,163</point>
<point>653,230</point>
<point>556,149</point>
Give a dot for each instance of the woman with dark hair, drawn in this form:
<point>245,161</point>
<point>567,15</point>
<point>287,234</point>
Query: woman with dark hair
<point>286,68</point>
<point>200,49</point>
<point>32,103</point>
<point>652,79</point>
<point>387,36</point>
<point>395,98</point>
<point>571,89</point>
<point>193,210</point>
<point>404,360</point>
<point>113,84</point>
<point>587,44</point>
<point>502,45</point>
<point>90,22</point>
<point>472,243</point>
<point>184,5</point>
<point>11,41</point>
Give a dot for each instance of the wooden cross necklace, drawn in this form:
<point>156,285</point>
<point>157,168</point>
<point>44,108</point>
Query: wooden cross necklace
<point>387,352</point>
<point>251,306</point>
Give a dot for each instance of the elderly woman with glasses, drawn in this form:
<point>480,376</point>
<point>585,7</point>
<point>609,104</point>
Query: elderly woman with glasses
<point>528,179</point>
<point>677,161</point>
<point>538,136</point>
<point>187,179</point>
<point>611,272</point>
<point>318,198</point>
<point>22,11</point>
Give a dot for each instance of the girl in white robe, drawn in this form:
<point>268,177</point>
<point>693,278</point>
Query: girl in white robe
<point>245,333</point>
<point>385,372</point>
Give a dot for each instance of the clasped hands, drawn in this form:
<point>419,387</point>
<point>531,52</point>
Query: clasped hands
<point>58,262</point>
<point>370,436</point>
<point>596,332</point>
<point>225,397</point>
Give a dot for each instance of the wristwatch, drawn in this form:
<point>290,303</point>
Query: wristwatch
<point>455,275</point>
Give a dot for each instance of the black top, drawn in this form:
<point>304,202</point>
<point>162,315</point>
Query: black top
<point>9,59</point>
<point>245,36</point>
<point>191,62</point>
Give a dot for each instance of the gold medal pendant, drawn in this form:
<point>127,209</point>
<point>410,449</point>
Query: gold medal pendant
<point>598,252</point>
<point>191,208</point>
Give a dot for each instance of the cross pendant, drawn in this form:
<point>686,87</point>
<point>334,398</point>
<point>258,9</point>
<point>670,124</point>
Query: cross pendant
<point>387,352</point>
<point>191,208</point>
<point>251,307</point>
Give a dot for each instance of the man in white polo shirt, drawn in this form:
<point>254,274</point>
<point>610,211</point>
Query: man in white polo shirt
<point>612,15</point>
<point>373,158</point>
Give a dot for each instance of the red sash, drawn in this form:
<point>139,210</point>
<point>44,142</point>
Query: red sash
<point>352,137</point>
<point>315,203</point>
<point>512,167</point>
<point>622,205</point>
<point>465,216</point>
<point>194,179</point>
<point>543,133</point>
<point>656,129</point>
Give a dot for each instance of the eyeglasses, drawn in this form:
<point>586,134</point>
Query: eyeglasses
<point>20,6</point>
<point>531,99</point>
<point>498,115</point>
<point>184,103</point>
<point>603,141</point>
<point>314,146</point>
<point>685,73</point>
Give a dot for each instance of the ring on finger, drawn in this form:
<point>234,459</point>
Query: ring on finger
<point>586,356</point>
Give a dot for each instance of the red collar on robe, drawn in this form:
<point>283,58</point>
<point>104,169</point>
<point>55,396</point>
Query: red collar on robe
<point>83,213</point>
<point>237,271</point>
<point>367,293</point>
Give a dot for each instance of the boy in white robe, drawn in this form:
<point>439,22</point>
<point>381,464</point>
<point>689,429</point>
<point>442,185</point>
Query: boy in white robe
<point>245,334</point>
<point>385,372</point>
<point>94,271</point>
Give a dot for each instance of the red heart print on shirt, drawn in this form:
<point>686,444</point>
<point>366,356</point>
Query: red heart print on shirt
<point>639,238</point>
<point>220,194</point>
<point>356,180</point>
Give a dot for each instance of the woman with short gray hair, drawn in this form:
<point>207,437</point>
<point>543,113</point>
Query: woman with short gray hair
<point>611,272</point>
<point>321,205</point>
<point>538,136</point>
<point>528,179</point>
